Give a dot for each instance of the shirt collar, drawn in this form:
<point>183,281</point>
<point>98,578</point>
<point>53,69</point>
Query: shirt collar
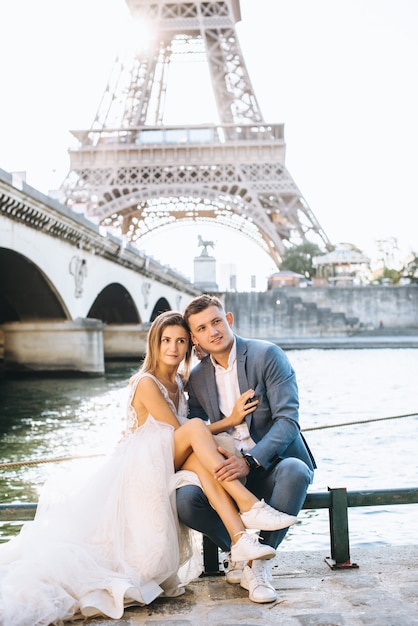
<point>231,359</point>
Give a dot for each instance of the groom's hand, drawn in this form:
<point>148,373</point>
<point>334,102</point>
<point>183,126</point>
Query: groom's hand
<point>232,467</point>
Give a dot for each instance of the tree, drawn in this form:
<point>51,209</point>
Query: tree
<point>410,269</point>
<point>392,275</point>
<point>299,259</point>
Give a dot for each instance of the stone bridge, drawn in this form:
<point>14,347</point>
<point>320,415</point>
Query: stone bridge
<point>70,295</point>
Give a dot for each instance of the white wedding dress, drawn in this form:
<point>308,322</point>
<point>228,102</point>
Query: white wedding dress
<point>113,542</point>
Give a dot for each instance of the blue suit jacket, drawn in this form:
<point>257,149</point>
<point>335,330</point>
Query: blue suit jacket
<point>274,425</point>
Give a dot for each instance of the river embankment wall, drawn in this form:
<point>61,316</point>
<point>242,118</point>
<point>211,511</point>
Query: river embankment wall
<point>324,311</point>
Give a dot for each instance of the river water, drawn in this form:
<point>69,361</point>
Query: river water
<point>44,418</point>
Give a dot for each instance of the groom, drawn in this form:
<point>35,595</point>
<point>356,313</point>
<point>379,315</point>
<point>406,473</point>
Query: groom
<point>276,463</point>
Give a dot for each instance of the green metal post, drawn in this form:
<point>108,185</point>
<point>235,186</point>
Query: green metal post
<point>338,527</point>
<point>210,557</point>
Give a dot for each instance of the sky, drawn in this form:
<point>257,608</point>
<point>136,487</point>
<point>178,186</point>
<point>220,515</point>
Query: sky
<point>340,74</point>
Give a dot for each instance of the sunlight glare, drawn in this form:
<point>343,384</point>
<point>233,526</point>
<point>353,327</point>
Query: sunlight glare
<point>139,36</point>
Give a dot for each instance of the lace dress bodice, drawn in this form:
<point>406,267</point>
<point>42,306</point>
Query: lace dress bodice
<point>180,412</point>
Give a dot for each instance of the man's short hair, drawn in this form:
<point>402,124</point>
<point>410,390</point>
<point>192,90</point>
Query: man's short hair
<point>200,303</point>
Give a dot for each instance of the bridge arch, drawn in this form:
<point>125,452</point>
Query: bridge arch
<point>115,305</point>
<point>70,295</point>
<point>26,293</point>
<point>160,306</point>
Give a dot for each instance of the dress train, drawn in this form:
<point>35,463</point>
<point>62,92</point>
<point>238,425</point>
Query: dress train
<point>114,541</point>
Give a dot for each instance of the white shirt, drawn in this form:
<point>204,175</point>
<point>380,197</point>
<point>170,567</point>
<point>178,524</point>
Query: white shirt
<point>228,394</point>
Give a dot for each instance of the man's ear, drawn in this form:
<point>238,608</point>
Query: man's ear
<point>230,318</point>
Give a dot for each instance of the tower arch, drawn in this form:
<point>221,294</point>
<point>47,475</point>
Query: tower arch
<point>134,173</point>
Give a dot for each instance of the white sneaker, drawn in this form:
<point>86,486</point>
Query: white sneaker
<point>262,516</point>
<point>248,548</point>
<point>258,582</point>
<point>233,569</point>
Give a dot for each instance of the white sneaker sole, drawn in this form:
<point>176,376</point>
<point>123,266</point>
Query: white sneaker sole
<point>233,578</point>
<point>273,598</point>
<point>273,594</point>
<point>258,524</point>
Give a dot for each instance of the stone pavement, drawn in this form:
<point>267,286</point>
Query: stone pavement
<point>383,591</point>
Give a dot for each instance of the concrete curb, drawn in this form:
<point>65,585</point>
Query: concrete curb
<point>339,343</point>
<point>383,591</point>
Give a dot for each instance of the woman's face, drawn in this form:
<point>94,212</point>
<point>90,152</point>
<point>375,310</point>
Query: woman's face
<point>174,344</point>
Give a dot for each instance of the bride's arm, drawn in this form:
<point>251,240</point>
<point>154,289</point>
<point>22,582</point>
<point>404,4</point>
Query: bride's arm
<point>245,405</point>
<point>148,400</point>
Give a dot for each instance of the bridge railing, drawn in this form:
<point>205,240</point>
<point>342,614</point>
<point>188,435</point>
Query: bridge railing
<point>336,500</point>
<point>35,210</point>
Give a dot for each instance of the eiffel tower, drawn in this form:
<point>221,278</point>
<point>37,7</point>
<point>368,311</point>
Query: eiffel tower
<point>135,175</point>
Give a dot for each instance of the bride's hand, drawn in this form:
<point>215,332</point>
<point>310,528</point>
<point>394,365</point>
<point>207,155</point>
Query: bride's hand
<point>199,352</point>
<point>245,405</point>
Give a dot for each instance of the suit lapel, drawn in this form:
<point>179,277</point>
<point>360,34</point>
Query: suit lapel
<point>211,392</point>
<point>242,371</point>
<point>241,361</point>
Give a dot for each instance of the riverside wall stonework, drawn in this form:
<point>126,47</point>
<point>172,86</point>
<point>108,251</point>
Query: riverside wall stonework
<point>324,311</point>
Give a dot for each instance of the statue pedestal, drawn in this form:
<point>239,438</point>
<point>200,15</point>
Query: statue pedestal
<point>205,273</point>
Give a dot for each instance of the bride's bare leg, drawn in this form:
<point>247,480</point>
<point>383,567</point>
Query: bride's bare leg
<point>195,435</point>
<point>218,497</point>
<point>226,495</point>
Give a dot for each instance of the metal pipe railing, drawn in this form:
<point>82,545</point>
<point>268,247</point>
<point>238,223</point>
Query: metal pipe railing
<point>336,500</point>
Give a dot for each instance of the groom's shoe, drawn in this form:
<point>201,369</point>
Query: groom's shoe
<point>258,582</point>
<point>262,516</point>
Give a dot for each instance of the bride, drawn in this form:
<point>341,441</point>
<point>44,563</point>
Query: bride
<point>116,541</point>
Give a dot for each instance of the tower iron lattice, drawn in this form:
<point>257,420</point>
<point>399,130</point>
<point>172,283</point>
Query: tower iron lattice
<point>134,174</point>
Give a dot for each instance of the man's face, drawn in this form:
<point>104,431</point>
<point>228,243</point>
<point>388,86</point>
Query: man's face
<point>212,330</point>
